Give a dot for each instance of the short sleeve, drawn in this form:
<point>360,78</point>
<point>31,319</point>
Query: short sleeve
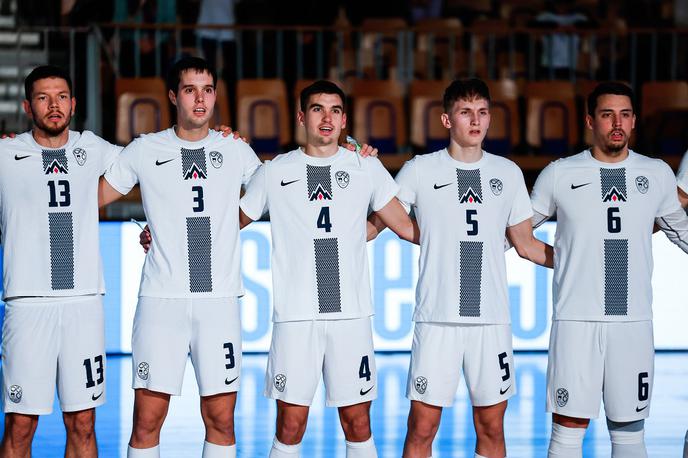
<point>542,197</point>
<point>250,161</point>
<point>383,185</point>
<point>407,179</point>
<point>682,176</point>
<point>669,198</point>
<point>521,209</point>
<point>254,203</point>
<point>122,174</point>
<point>110,154</point>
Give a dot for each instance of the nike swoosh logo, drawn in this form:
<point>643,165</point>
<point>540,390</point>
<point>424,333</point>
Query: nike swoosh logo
<point>363,393</point>
<point>164,162</point>
<point>502,391</point>
<point>639,409</point>
<point>286,183</point>
<point>442,185</point>
<point>229,382</point>
<point>576,186</point>
<point>95,398</point>
<point>19,158</point>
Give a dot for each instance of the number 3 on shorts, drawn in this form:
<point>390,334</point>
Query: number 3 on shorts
<point>364,369</point>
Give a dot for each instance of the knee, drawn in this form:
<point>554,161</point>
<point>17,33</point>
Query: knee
<point>423,430</point>
<point>290,429</point>
<point>81,424</point>
<point>356,428</point>
<point>20,428</point>
<point>221,422</point>
<point>147,422</point>
<point>491,430</point>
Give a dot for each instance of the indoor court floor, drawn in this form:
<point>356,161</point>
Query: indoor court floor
<point>527,425</point>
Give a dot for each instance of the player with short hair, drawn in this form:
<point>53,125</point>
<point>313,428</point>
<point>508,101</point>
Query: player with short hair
<point>52,277</point>
<point>607,200</point>
<point>190,180</point>
<point>318,199</point>
<point>465,200</point>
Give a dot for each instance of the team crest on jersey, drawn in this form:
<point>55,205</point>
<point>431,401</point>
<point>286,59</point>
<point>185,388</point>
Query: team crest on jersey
<point>142,370</point>
<point>319,182</point>
<point>470,189</point>
<point>79,155</point>
<point>193,164</point>
<point>642,183</point>
<point>54,161</point>
<point>342,179</point>
<point>421,384</point>
<point>216,159</point>
<point>496,186</point>
<point>562,397</point>
<point>613,185</point>
<point>280,382</point>
<point>15,393</point>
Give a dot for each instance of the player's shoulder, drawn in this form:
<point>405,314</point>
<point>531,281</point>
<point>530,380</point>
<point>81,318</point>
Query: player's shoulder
<point>501,163</point>
<point>22,140</point>
<point>640,160</point>
<point>283,160</point>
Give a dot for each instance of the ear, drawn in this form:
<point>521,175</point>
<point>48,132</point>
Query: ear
<point>344,121</point>
<point>588,121</point>
<point>73,105</point>
<point>300,118</point>
<point>633,123</point>
<point>173,97</point>
<point>27,108</point>
<point>446,122</point>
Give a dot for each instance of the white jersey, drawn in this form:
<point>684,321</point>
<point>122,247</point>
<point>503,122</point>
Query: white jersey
<point>603,244</point>
<point>682,176</point>
<point>190,193</point>
<point>463,210</point>
<point>318,212</point>
<point>49,215</point>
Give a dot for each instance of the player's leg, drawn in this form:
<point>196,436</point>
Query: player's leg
<point>489,371</point>
<point>685,446</point>
<point>81,372</point>
<point>574,384</point>
<point>294,370</point>
<point>216,358</point>
<point>350,377</point>
<point>160,346</point>
<point>629,373</point>
<point>29,369</point>
<point>434,372</point>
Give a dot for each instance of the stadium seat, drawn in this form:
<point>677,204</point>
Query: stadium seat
<point>504,133</point>
<point>262,113</point>
<point>551,122</point>
<point>664,109</point>
<point>379,117</point>
<point>427,132</point>
<point>142,107</point>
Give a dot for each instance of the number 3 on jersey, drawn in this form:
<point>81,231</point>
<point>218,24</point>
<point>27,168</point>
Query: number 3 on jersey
<point>324,219</point>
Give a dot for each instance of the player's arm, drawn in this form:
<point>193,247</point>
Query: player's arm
<point>675,227</point>
<point>243,219</point>
<point>395,217</point>
<point>527,246</point>
<point>683,198</point>
<point>106,193</point>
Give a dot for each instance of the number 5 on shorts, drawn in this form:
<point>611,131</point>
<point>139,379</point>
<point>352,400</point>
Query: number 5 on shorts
<point>504,366</point>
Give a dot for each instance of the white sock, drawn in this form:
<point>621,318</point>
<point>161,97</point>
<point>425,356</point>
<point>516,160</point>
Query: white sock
<point>280,450</point>
<point>566,442</point>
<point>211,450</point>
<point>685,447</point>
<point>153,452</point>
<point>478,456</point>
<point>365,449</point>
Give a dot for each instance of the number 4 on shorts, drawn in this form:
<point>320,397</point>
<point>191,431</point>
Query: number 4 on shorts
<point>364,369</point>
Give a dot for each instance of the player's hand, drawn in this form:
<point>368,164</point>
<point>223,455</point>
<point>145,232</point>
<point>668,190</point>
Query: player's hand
<point>10,135</point>
<point>368,150</point>
<point>227,131</point>
<point>364,150</point>
<point>145,239</point>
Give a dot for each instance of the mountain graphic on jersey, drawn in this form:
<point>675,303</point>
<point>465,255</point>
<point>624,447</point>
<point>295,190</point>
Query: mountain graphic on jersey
<point>319,182</point>
<point>470,189</point>
<point>613,184</point>
<point>54,161</point>
<point>193,164</point>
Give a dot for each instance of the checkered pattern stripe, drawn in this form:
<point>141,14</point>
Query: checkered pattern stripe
<point>61,230</point>
<point>469,179</point>
<point>199,244</point>
<point>52,155</point>
<point>318,175</point>
<point>615,277</point>
<point>470,278</point>
<point>327,275</point>
<point>613,178</point>
<point>191,157</point>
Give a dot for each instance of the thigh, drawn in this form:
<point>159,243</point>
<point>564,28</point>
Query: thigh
<point>29,364</point>
<point>216,345</point>
<point>489,363</point>
<point>436,360</point>
<point>295,361</point>
<point>81,363</point>
<point>629,370</point>
<point>349,368</point>
<point>575,369</point>
<point>160,344</point>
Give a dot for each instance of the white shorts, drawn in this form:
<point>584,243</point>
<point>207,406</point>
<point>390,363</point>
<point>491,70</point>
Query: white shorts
<point>49,341</point>
<point>340,350</point>
<point>167,330</point>
<point>590,360</point>
<point>441,350</point>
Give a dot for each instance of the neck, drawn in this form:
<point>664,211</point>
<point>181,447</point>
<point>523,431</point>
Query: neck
<point>605,156</point>
<point>43,138</point>
<point>191,134</point>
<point>321,150</point>
<point>465,153</point>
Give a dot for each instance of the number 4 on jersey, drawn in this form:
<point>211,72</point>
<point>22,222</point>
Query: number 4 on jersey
<point>324,219</point>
